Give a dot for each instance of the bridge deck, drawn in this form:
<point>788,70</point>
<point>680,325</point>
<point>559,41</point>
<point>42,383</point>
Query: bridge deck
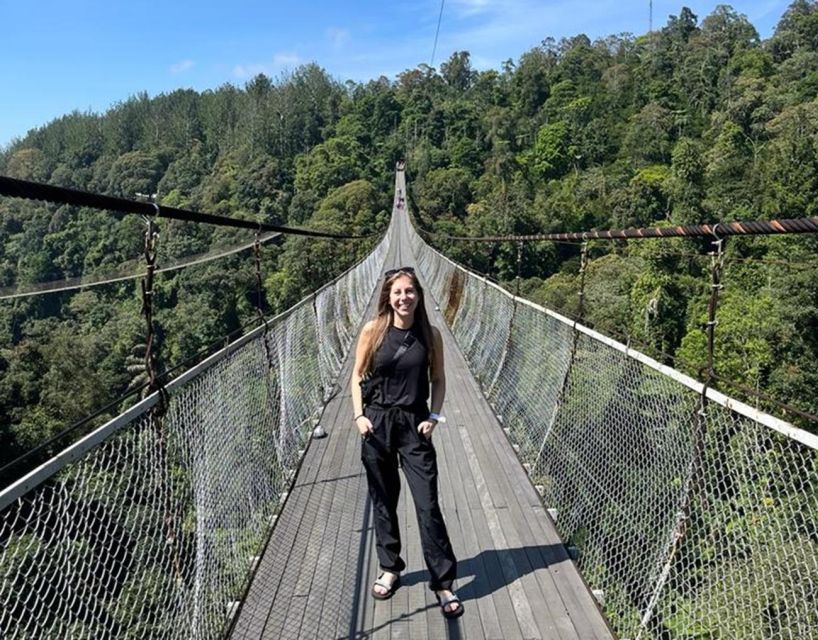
<point>515,578</point>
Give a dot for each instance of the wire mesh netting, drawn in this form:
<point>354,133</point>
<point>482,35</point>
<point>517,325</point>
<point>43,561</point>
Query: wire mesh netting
<point>149,526</point>
<point>690,518</point>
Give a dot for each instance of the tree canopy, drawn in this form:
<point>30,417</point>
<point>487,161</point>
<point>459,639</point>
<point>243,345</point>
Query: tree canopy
<point>697,121</point>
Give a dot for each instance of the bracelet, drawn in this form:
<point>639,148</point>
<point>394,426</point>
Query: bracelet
<point>437,417</point>
<point>355,419</point>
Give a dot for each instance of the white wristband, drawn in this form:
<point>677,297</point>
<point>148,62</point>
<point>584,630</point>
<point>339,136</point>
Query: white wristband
<point>437,418</point>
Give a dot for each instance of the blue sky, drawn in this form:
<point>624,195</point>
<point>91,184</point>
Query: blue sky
<point>58,56</point>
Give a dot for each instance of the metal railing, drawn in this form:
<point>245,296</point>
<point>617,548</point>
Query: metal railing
<point>149,526</point>
<point>692,515</point>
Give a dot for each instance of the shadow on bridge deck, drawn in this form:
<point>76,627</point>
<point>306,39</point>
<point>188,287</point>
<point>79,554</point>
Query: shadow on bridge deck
<point>515,577</point>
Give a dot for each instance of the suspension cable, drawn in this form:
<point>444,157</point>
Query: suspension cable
<point>118,206</point>
<point>744,228</point>
<point>437,33</point>
<point>86,282</point>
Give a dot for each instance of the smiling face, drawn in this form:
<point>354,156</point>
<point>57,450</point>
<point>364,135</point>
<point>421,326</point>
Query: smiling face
<point>403,298</point>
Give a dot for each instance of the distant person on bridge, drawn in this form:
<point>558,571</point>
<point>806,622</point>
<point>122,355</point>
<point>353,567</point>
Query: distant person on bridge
<point>398,354</point>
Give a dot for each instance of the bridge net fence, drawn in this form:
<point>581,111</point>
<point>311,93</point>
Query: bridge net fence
<point>151,531</point>
<point>691,519</point>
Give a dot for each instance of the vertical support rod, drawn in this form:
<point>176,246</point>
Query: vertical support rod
<point>506,347</point>
<point>519,267</point>
<point>158,412</point>
<point>151,236</point>
<point>257,256</point>
<point>716,269</point>
<point>583,265</point>
<point>694,470</point>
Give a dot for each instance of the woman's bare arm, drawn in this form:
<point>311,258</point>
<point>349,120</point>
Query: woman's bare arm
<point>361,421</point>
<point>438,377</point>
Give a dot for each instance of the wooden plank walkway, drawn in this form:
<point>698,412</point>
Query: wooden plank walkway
<point>515,577</point>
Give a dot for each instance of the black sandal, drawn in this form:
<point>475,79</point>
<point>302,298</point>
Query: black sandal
<point>450,613</point>
<point>390,588</point>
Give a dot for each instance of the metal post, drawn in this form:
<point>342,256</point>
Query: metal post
<point>583,265</point>
<point>158,411</point>
<point>519,267</point>
<point>257,255</point>
<point>151,236</point>
<point>691,485</point>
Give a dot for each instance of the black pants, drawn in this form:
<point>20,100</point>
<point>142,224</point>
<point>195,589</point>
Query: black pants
<point>395,434</point>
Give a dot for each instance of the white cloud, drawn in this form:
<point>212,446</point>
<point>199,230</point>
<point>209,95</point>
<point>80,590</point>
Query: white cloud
<point>280,62</point>
<point>469,7</point>
<point>286,59</point>
<point>338,37</point>
<point>244,71</point>
<point>496,31</point>
<point>182,66</point>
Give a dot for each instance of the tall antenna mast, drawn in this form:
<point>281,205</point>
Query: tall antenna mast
<point>650,17</point>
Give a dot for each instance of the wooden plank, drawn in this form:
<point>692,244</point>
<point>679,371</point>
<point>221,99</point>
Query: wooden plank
<point>313,582</point>
<point>459,414</point>
<point>399,603</point>
<point>322,493</point>
<point>576,600</point>
<point>515,577</point>
<point>417,576</point>
<point>366,608</point>
<point>290,620</point>
<point>495,609</point>
<point>256,611</point>
<point>552,617</point>
<point>545,548</point>
<point>284,621</point>
<point>381,609</point>
<point>354,557</point>
<point>351,562</point>
<point>335,607</point>
<point>448,498</point>
<point>461,532</point>
<point>478,591</point>
<point>574,595</point>
<point>494,517</point>
<point>483,516</point>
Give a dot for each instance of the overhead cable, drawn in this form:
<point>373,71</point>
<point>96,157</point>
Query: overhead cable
<point>717,230</point>
<point>84,282</point>
<point>38,191</point>
<point>437,33</point>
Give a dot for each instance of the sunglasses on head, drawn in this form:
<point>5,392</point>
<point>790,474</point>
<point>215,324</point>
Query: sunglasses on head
<point>392,272</point>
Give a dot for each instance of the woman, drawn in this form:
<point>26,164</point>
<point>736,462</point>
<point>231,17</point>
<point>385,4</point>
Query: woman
<point>397,355</point>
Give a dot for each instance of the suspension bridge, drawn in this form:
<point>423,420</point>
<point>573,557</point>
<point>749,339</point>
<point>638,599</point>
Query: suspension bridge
<point>590,491</point>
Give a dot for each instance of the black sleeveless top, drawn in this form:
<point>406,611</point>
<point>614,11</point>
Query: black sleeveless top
<point>406,382</point>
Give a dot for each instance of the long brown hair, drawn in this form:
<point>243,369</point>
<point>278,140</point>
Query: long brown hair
<point>385,317</point>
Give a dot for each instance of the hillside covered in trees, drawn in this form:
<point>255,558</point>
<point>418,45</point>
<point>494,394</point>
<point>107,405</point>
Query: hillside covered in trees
<point>699,121</point>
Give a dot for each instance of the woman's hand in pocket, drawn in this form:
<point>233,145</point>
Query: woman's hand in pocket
<point>364,425</point>
<point>426,427</point>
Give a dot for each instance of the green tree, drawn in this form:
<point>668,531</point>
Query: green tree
<point>457,71</point>
<point>551,155</point>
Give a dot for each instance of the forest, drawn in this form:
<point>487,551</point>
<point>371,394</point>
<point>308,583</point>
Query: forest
<point>698,121</point>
